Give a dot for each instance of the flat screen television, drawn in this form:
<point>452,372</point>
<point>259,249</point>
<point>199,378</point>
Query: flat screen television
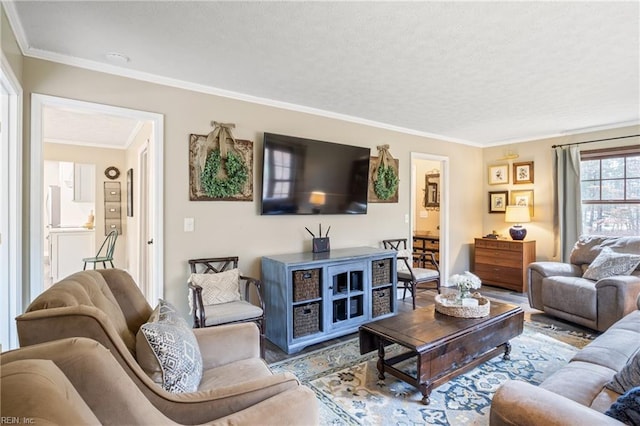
<point>305,176</point>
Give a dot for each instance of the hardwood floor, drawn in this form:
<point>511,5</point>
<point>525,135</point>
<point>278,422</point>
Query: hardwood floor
<point>423,298</point>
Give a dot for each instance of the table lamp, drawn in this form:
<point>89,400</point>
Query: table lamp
<point>317,200</point>
<point>517,215</point>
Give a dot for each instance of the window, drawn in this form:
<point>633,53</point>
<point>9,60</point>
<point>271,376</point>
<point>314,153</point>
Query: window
<point>280,172</point>
<point>610,191</point>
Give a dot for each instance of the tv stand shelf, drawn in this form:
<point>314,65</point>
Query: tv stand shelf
<point>313,297</point>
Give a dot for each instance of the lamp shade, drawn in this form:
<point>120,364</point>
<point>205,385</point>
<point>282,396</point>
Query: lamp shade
<point>517,214</point>
<point>317,198</point>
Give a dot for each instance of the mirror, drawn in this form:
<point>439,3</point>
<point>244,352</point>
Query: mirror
<point>432,191</point>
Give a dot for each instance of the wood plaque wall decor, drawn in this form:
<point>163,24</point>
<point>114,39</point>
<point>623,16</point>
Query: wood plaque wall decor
<point>387,181</point>
<point>202,164</point>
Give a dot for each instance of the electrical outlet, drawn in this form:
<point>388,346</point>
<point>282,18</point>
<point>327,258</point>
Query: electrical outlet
<point>189,224</point>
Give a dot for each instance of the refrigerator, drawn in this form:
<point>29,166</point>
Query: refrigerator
<point>53,206</point>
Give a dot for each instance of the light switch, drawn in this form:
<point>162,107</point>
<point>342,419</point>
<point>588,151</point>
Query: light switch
<point>424,214</point>
<point>406,218</point>
<point>189,224</point>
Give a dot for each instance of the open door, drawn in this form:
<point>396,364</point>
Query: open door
<point>429,207</point>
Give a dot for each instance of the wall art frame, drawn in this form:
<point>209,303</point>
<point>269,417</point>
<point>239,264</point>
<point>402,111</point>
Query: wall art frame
<point>523,172</point>
<point>499,174</point>
<point>498,201</point>
<point>523,198</point>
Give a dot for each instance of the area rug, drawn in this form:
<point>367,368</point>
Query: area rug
<point>350,393</point>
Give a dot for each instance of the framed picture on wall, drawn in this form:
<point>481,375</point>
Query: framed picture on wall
<point>523,172</point>
<point>498,201</point>
<point>523,198</point>
<point>499,174</point>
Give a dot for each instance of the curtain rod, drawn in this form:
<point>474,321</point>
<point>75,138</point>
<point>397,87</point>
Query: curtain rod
<point>597,140</point>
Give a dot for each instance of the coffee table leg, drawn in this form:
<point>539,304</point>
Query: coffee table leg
<point>425,390</point>
<point>507,352</point>
<point>380,364</point>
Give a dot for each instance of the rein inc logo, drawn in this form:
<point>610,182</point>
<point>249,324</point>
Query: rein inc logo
<point>6,420</point>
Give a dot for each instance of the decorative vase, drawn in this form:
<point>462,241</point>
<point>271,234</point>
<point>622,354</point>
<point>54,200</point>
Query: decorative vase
<point>463,293</point>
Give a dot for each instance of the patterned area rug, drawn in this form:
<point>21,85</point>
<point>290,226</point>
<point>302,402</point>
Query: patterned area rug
<point>350,392</point>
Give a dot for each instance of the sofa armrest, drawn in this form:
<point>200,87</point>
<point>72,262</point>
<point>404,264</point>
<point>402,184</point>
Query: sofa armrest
<point>225,344</point>
<point>617,296</point>
<point>554,269</point>
<point>523,404</point>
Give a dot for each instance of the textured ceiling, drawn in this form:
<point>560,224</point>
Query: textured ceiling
<point>484,73</point>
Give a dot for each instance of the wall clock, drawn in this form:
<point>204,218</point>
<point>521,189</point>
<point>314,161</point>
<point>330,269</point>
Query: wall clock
<point>112,172</point>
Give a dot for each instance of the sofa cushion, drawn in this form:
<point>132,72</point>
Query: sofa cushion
<point>574,295</point>
<point>588,247</point>
<point>627,407</point>
<point>628,377</point>
<point>579,381</point>
<point>612,349</point>
<point>609,263</point>
<point>221,287</point>
<point>176,351</point>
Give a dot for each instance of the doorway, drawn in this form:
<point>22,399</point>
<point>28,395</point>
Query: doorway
<point>10,205</point>
<point>154,180</point>
<point>429,207</point>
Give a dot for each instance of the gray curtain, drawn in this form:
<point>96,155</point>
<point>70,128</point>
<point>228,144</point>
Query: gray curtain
<point>567,218</point>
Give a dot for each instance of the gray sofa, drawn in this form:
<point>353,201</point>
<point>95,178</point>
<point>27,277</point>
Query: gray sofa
<point>575,394</point>
<point>559,289</point>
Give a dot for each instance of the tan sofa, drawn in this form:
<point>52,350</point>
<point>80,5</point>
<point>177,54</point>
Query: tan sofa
<point>76,381</point>
<point>559,289</point>
<point>575,394</point>
<point>107,306</point>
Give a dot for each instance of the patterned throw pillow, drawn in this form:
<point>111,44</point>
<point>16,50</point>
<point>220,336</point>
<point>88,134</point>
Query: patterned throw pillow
<point>628,377</point>
<point>627,407</point>
<point>221,287</point>
<point>609,263</point>
<point>176,349</point>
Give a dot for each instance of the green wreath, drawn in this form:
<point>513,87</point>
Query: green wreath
<point>386,185</point>
<point>217,187</point>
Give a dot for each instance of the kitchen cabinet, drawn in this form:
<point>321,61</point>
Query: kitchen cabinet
<point>67,248</point>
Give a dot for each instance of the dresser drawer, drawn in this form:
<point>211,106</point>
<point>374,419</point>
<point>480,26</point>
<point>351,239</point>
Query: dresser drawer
<point>507,258</point>
<point>499,245</point>
<point>495,274</point>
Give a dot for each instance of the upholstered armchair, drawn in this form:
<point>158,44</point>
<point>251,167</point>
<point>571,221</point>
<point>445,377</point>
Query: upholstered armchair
<point>77,381</point>
<point>107,306</point>
<point>596,288</point>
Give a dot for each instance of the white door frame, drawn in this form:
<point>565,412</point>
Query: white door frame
<point>36,227</point>
<point>11,285</point>
<point>444,207</point>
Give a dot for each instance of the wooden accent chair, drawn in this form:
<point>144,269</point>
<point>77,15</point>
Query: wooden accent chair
<point>208,315</point>
<point>409,278</point>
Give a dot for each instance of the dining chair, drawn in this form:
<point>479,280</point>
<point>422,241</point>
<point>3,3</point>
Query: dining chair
<point>221,298</point>
<point>109,246</point>
<point>409,276</point>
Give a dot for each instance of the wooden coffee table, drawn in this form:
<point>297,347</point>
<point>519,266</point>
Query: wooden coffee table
<point>444,346</point>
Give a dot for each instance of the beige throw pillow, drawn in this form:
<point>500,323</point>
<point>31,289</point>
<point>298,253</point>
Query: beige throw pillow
<point>221,287</point>
<point>402,265</point>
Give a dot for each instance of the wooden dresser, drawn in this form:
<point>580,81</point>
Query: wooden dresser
<point>503,263</point>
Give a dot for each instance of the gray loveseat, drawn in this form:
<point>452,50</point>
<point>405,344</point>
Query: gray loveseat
<point>575,394</point>
<point>559,289</point>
